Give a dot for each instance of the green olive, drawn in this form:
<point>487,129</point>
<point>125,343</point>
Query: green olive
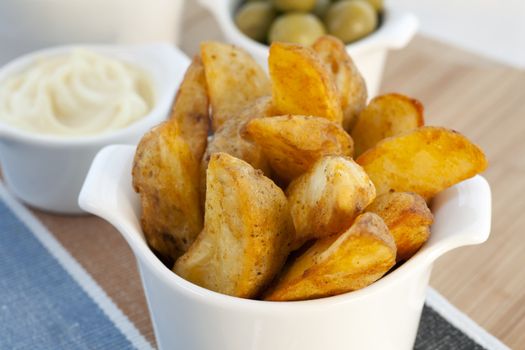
<point>254,19</point>
<point>378,5</point>
<point>350,20</point>
<point>321,6</point>
<point>299,28</point>
<point>294,5</point>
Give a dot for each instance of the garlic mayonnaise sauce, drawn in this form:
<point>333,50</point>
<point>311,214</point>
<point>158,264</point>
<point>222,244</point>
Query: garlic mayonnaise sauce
<point>79,93</point>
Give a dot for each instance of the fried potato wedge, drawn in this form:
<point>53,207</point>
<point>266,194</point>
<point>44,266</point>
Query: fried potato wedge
<point>339,264</point>
<point>191,106</point>
<point>166,176</point>
<point>326,199</point>
<point>301,84</point>
<point>424,161</point>
<point>294,143</point>
<point>234,80</point>
<point>247,231</point>
<point>350,84</point>
<point>408,219</point>
<point>166,169</point>
<point>385,116</point>
<point>228,139</point>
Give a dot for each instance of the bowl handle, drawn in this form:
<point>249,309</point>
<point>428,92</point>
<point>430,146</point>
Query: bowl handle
<point>462,216</point>
<point>109,174</point>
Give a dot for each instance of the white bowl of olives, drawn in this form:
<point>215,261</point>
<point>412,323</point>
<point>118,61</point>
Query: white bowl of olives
<point>367,28</point>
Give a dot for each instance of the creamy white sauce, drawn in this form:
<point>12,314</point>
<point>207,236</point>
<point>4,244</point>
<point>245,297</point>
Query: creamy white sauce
<point>80,93</point>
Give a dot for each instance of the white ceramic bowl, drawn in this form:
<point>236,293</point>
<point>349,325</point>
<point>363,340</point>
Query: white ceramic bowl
<point>382,316</point>
<point>369,53</point>
<point>47,171</point>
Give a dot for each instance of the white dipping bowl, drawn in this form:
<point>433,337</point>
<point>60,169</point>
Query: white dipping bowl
<point>382,316</point>
<point>368,53</point>
<point>47,171</point>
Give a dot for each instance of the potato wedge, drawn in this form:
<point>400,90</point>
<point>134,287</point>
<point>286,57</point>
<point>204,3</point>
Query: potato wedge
<point>247,231</point>
<point>166,176</point>
<point>234,80</point>
<point>301,84</point>
<point>339,264</point>
<point>385,116</point>
<point>294,143</point>
<point>191,106</point>
<point>350,84</point>
<point>166,169</point>
<point>327,198</point>
<point>424,161</point>
<point>228,139</point>
<point>408,219</point>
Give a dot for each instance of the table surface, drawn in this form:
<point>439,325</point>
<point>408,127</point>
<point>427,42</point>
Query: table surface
<point>483,99</point>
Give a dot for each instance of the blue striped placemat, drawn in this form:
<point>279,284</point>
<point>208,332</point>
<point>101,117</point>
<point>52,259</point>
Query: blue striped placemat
<point>49,301</point>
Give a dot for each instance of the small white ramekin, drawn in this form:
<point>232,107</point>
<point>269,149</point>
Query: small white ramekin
<point>369,53</point>
<point>47,171</point>
<point>382,316</point>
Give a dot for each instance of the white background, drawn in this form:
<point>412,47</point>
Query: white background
<point>492,28</point>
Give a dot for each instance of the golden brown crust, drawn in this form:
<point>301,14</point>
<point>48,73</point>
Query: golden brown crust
<point>385,116</point>
<point>350,84</point>
<point>292,144</point>
<point>301,84</point>
<point>408,218</point>
<point>425,161</point>
<point>166,169</point>
<point>339,264</point>
<point>190,108</point>
<point>326,199</point>
<point>228,139</point>
<point>165,174</point>
<point>247,231</point>
<point>234,80</point>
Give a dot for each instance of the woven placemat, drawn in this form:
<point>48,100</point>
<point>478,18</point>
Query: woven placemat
<point>49,301</point>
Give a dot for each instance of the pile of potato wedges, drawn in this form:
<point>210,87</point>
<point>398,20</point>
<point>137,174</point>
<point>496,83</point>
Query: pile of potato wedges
<point>291,186</point>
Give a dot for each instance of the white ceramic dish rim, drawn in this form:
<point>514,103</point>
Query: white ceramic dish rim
<point>162,98</point>
<point>395,31</point>
<point>421,260</point>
